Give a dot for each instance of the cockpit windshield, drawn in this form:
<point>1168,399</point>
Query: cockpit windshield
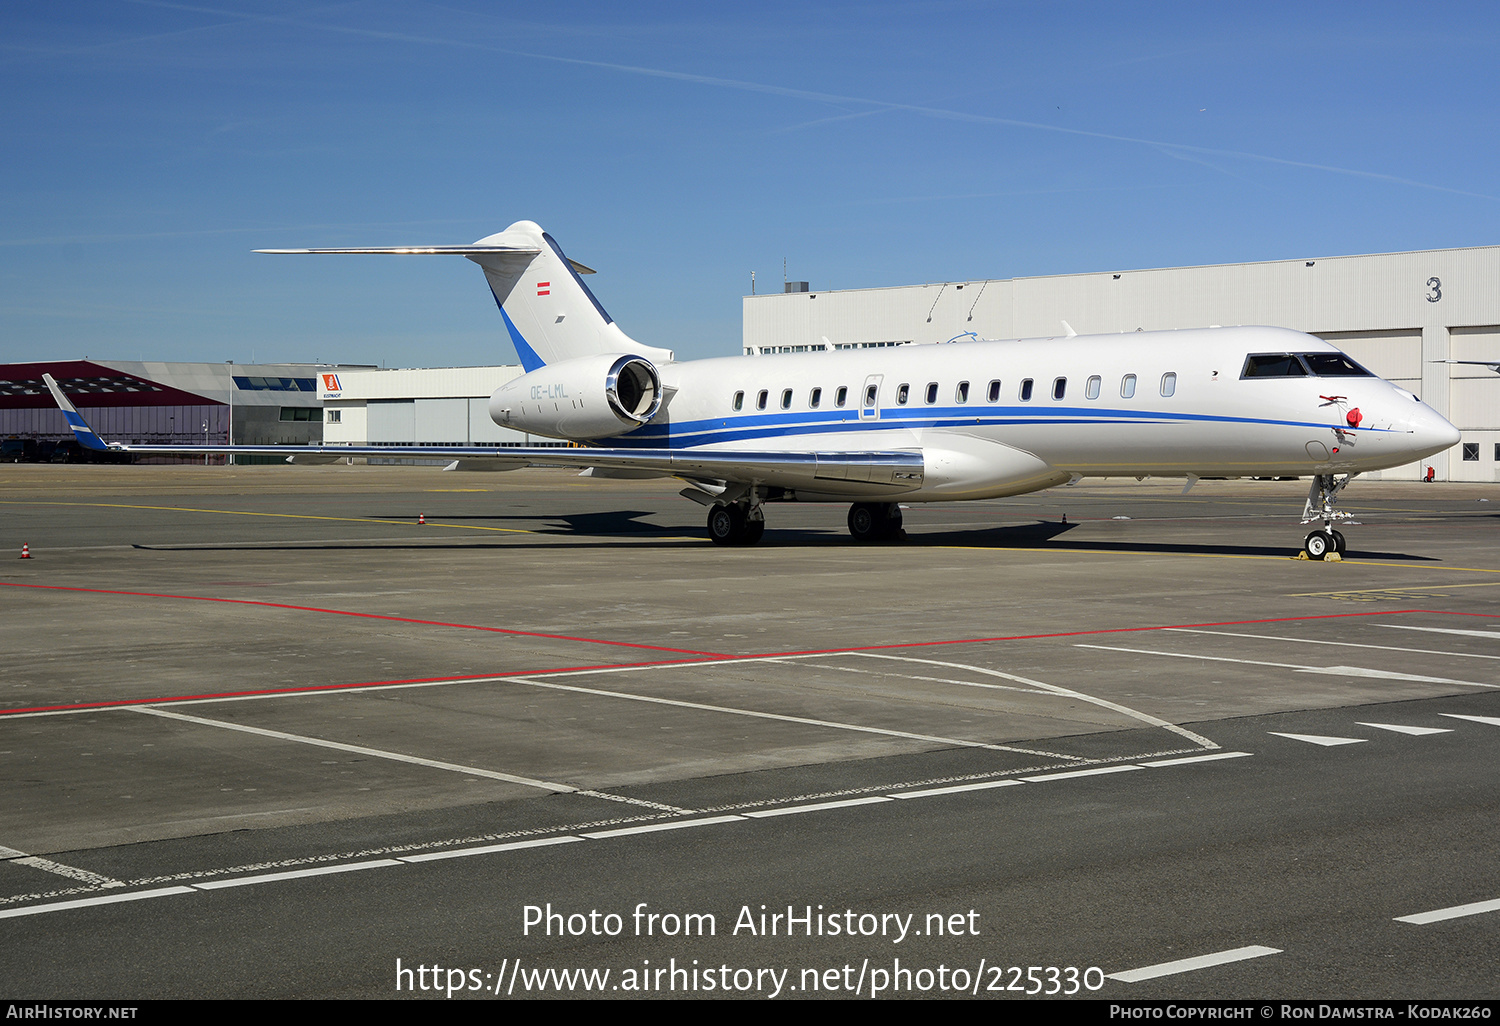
<point>1299,365</point>
<point>1334,365</point>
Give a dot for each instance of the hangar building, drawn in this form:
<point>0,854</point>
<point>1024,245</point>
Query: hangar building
<point>1400,314</point>
<point>161,403</point>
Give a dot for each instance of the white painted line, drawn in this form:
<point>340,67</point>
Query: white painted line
<point>108,899</point>
<point>1340,644</point>
<point>1069,774</point>
<point>294,874</point>
<point>1401,728</point>
<point>20,858</point>
<point>474,771</point>
<point>957,788</point>
<point>794,809</point>
<point>1493,721</point>
<point>1454,912</point>
<point>1441,630</point>
<point>1055,689</point>
<point>1197,758</point>
<point>832,724</point>
<point>652,828</point>
<point>1320,739</point>
<point>488,849</point>
<point>1334,671</point>
<point>1187,965</point>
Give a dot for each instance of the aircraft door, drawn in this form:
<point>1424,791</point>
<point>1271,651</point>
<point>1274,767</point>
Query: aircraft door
<point>869,398</point>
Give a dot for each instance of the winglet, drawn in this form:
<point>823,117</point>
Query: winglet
<point>85,434</point>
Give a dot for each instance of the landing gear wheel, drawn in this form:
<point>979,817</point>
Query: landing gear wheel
<point>875,521</point>
<point>1317,545</point>
<point>753,530</point>
<point>1338,543</point>
<point>726,525</point>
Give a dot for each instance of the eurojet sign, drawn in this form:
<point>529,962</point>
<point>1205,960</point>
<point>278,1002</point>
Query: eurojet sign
<point>331,387</point>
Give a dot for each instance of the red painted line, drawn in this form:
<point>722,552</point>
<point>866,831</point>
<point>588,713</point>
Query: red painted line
<point>716,657</point>
<point>312,689</point>
<point>368,616</point>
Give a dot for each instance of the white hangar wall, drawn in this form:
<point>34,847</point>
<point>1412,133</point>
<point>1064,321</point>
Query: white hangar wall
<point>1400,314</point>
<point>422,406</point>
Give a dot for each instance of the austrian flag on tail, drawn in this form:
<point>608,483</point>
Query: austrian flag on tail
<point>544,288</point>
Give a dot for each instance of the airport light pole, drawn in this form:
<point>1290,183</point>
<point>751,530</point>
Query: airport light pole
<point>229,436</point>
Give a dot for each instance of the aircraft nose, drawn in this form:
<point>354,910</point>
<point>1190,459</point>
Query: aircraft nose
<point>1433,433</point>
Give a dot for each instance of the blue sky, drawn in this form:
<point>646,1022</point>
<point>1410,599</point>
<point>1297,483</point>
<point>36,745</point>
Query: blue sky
<point>150,146</point>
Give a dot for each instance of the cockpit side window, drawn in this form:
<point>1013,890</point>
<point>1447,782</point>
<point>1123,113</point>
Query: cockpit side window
<point>1334,365</point>
<point>1273,365</point>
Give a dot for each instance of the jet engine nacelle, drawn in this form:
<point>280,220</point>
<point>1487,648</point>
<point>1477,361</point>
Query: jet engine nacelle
<point>590,397</point>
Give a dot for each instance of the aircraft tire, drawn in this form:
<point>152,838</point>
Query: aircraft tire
<point>726,524</point>
<point>1338,542</point>
<point>1317,545</point>
<point>753,530</point>
<point>865,521</point>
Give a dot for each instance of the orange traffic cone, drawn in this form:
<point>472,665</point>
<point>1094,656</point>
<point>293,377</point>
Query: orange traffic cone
<point>25,551</point>
<point>421,518</point>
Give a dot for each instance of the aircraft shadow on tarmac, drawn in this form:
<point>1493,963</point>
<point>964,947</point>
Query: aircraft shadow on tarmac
<point>622,524</point>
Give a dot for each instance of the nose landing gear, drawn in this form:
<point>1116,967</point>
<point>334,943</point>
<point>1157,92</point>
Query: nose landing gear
<point>1322,497</point>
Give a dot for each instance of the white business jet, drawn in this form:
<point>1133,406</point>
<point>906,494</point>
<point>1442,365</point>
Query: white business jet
<point>881,427</point>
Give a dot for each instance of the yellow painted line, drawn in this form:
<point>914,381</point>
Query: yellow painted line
<point>1416,587</point>
<point>252,513</point>
<point>1230,555</point>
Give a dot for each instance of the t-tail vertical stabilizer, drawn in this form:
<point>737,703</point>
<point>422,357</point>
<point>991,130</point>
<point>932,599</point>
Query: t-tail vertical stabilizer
<point>549,313</point>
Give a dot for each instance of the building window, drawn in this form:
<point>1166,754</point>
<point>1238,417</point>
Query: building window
<point>903,392</point>
<point>1127,386</point>
<point>333,416</point>
<point>301,413</point>
<point>1168,383</point>
<point>815,398</point>
<point>931,392</point>
<point>1026,391</point>
<point>841,396</point>
<point>1471,452</point>
<point>1091,390</point>
<point>994,392</point>
<point>962,395</point>
<point>1059,388</point>
<point>739,401</point>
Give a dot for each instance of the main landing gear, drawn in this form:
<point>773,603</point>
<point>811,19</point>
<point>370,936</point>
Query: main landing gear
<point>875,522</point>
<point>737,523</point>
<point>1321,499</point>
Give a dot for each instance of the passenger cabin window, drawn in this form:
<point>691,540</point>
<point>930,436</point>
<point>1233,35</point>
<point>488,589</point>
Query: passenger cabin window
<point>815,398</point>
<point>739,401</point>
<point>1091,390</point>
<point>962,394</point>
<point>931,392</point>
<point>870,391</point>
<point>1059,388</point>
<point>903,392</point>
<point>1026,391</point>
<point>994,393</point>
<point>841,396</point>
<point>1168,383</point>
<point>786,398</point>
<point>1127,386</point>
<point>1273,365</point>
<point>760,400</point>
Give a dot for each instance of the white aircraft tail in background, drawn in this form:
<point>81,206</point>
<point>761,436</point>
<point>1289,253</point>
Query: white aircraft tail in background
<point>879,428</point>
